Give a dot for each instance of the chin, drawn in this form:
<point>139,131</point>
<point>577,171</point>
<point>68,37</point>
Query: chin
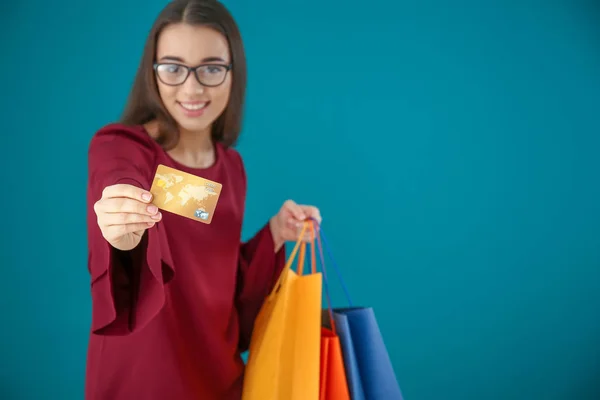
<point>195,126</point>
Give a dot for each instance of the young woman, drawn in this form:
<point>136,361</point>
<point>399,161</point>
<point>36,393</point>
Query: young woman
<point>174,300</point>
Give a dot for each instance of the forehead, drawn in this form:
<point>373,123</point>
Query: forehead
<point>191,43</point>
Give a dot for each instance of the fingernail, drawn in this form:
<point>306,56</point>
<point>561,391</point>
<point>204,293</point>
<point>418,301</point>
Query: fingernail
<point>152,209</point>
<point>146,196</point>
<point>157,216</point>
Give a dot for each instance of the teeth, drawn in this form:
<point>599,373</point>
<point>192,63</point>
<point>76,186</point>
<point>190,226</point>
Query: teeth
<point>193,107</point>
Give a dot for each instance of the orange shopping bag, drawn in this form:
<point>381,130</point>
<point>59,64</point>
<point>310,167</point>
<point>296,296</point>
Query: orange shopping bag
<point>283,358</point>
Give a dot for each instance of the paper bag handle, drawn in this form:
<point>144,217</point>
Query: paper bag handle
<point>322,242</point>
<point>291,258</point>
<point>299,241</point>
<point>313,258</point>
<point>301,257</point>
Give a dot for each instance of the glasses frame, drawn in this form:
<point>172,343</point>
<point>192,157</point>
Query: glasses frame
<point>227,67</point>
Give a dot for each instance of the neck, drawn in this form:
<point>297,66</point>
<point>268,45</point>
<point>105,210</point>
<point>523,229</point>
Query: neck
<point>194,149</point>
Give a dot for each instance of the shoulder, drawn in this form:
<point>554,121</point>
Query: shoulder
<point>116,140</point>
<point>119,138</point>
<point>233,159</point>
<point>122,135</point>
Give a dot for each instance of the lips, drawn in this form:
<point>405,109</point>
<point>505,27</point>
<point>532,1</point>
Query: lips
<point>194,106</point>
<point>193,109</point>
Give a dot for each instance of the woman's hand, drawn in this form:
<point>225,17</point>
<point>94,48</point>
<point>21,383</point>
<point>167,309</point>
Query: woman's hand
<point>287,224</point>
<point>124,212</point>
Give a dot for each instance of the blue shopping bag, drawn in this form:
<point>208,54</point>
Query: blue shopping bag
<point>369,370</point>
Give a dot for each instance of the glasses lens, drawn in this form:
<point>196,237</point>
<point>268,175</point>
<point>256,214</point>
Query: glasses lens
<point>172,74</point>
<point>212,75</point>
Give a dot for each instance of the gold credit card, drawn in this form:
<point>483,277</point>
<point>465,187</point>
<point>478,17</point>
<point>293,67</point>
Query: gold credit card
<point>185,194</point>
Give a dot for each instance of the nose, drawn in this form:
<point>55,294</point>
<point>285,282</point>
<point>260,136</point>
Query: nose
<point>192,86</point>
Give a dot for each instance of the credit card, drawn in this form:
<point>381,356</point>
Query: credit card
<point>185,194</point>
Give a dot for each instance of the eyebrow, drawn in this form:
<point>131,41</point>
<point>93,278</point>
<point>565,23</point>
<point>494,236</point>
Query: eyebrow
<point>179,59</point>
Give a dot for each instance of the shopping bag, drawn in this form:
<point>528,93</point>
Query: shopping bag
<point>369,370</point>
<point>350,363</point>
<point>284,353</point>
<point>332,384</point>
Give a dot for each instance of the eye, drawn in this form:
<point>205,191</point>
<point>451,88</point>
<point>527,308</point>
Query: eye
<point>172,68</point>
<point>213,69</point>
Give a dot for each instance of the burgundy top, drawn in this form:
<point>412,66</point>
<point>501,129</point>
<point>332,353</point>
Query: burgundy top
<point>171,317</point>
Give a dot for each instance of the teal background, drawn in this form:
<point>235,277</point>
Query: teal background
<point>451,146</point>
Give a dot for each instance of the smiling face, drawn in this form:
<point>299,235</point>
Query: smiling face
<point>193,105</point>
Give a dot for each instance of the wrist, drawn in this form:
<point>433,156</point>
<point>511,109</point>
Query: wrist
<point>275,234</point>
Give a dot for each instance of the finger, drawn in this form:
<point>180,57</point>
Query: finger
<point>312,212</point>
<point>129,191</point>
<point>293,223</point>
<point>295,210</point>
<point>128,218</point>
<point>126,205</point>
<point>296,226</point>
<point>114,232</point>
<point>296,230</point>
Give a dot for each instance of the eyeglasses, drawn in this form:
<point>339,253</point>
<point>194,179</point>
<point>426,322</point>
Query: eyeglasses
<point>174,74</point>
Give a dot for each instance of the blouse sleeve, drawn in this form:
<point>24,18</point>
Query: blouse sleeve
<point>259,269</point>
<point>127,288</point>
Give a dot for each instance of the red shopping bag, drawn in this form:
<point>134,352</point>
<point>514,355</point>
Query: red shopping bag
<point>333,384</point>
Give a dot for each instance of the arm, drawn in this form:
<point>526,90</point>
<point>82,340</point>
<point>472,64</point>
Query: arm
<point>126,287</point>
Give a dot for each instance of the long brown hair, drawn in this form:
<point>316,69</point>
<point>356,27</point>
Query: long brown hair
<point>144,103</point>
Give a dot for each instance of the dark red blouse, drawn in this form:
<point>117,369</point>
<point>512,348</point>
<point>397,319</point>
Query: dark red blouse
<point>171,318</point>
